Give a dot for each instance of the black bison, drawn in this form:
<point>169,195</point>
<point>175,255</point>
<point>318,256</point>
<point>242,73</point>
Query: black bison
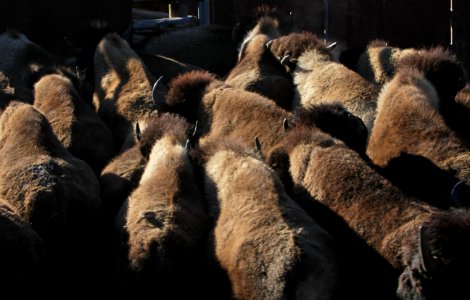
<point>209,47</point>
<point>75,123</point>
<point>269,247</point>
<point>258,70</point>
<point>123,89</point>
<point>319,79</point>
<point>163,223</point>
<point>411,235</point>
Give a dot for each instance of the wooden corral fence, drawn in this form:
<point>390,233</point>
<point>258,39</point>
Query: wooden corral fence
<point>404,23</point>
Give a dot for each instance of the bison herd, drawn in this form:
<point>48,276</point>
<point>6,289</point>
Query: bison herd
<point>283,173</point>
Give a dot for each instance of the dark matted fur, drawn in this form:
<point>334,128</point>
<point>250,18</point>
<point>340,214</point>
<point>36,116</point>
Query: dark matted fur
<point>382,215</point>
<point>165,221</point>
<point>75,123</point>
<point>226,111</point>
<point>22,251</point>
<point>123,88</point>
<point>409,121</point>
<point>335,120</point>
<point>319,79</point>
<point>25,62</point>
<point>258,70</point>
<point>268,246</point>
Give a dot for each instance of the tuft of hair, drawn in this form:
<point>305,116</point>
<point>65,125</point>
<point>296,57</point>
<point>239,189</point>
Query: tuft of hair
<point>334,119</point>
<point>186,91</point>
<point>440,67</point>
<point>164,124</point>
<point>377,43</point>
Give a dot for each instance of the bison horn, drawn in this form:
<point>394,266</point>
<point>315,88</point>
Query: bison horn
<point>155,89</point>
<point>331,46</point>
<point>285,124</point>
<point>456,195</point>
<point>268,44</point>
<point>258,145</point>
<point>188,145</point>
<point>138,132</point>
<point>285,60</point>
<point>429,262</point>
<point>195,129</point>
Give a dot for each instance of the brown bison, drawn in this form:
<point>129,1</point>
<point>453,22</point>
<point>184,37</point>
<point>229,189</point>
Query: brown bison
<point>318,79</point>
<point>412,236</point>
<point>123,88</point>
<point>379,61</point>
<point>75,123</point>
<point>258,70</point>
<point>269,247</point>
<point>164,224</point>
<point>224,111</point>
<point>409,121</point>
<point>54,192</point>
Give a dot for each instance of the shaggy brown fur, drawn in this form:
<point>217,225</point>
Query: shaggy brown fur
<point>409,121</point>
<point>377,211</point>
<point>22,251</point>
<point>123,87</point>
<point>318,79</point>
<point>38,176</point>
<point>165,222</point>
<point>269,246</point>
<point>75,123</point>
<point>9,93</point>
<point>223,111</point>
<point>441,68</point>
<point>258,70</point>
<point>50,189</point>
<point>447,237</point>
<point>379,61</point>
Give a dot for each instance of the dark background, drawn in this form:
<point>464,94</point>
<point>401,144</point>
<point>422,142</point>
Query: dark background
<point>404,23</point>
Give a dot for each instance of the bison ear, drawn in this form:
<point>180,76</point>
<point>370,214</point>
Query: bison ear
<point>429,262</point>
<point>460,195</point>
<point>138,132</point>
<point>158,92</point>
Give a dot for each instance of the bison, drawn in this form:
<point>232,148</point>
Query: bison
<point>411,235</point>
<point>269,247</point>
<point>258,70</point>
<point>50,189</point>
<point>318,79</point>
<point>123,89</point>
<point>409,121</point>
<point>75,123</point>
<point>224,111</point>
<point>163,222</point>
